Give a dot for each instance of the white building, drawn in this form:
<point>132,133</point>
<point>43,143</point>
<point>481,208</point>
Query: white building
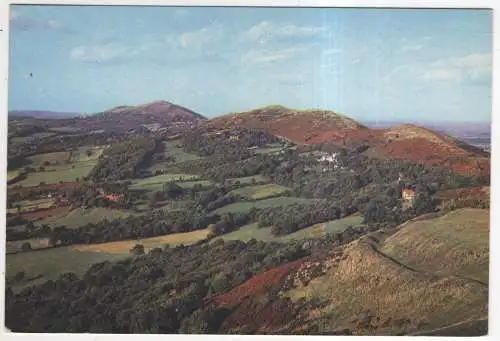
<point>328,157</point>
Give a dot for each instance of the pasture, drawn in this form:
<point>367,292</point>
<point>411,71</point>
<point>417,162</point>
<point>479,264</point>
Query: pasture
<point>124,246</point>
<point>26,139</point>
<point>250,231</point>
<point>52,158</point>
<point>191,184</point>
<point>13,174</point>
<point>461,237</point>
<point>155,183</point>
<point>31,205</point>
<point>260,192</point>
<point>57,174</point>
<point>82,154</point>
<point>246,206</point>
<point>257,179</point>
<point>64,166</point>
<point>52,262</point>
<point>269,149</point>
<point>80,217</point>
<point>172,149</point>
<point>36,243</point>
<point>424,270</point>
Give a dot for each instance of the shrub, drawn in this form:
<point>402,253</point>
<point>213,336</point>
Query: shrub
<point>137,250</point>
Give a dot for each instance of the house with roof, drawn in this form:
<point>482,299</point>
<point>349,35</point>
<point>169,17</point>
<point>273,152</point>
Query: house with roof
<point>409,193</point>
<point>113,197</point>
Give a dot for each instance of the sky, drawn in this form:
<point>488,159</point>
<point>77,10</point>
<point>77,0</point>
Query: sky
<point>369,64</point>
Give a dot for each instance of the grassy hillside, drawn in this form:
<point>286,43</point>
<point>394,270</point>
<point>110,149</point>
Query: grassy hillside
<point>250,231</point>
<point>63,166</point>
<point>460,237</point>
<point>53,262</point>
<point>246,206</point>
<point>80,217</point>
<point>123,247</point>
<point>156,182</point>
<point>367,290</point>
<point>260,192</point>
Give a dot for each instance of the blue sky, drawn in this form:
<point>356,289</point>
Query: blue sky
<point>370,64</point>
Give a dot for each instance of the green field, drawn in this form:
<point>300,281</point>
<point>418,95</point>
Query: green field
<point>25,139</point>
<point>59,157</point>
<point>250,231</point>
<point>66,129</point>
<point>31,205</point>
<point>268,150</point>
<point>179,155</point>
<point>258,179</point>
<point>80,154</point>
<point>172,149</point>
<point>461,237</point>
<point>79,166</point>
<point>155,183</point>
<point>12,174</point>
<point>58,173</point>
<point>246,206</point>
<point>260,192</point>
<point>124,246</point>
<point>36,243</point>
<point>191,184</point>
<point>80,217</point>
<point>54,261</point>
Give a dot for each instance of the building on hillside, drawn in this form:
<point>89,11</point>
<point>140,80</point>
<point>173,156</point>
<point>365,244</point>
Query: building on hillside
<point>409,193</point>
<point>328,157</point>
<point>113,197</point>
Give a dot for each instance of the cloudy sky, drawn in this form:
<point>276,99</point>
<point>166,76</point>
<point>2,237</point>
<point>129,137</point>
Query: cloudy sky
<point>386,64</point>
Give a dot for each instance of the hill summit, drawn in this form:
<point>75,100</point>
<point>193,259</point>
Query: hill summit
<point>407,141</point>
<point>301,126</point>
<point>159,109</point>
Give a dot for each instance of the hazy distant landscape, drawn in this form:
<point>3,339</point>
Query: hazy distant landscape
<point>476,134</point>
<point>173,183</point>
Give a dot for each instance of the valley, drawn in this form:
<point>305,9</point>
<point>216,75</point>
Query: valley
<point>272,221</point>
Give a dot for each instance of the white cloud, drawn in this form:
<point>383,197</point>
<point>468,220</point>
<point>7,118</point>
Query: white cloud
<point>412,47</point>
<point>208,35</point>
<point>266,31</point>
<point>101,53</point>
<point>262,57</point>
<point>473,68</point>
<point>293,79</point>
<point>442,75</point>
<point>25,23</point>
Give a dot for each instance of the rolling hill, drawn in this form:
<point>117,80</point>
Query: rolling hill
<point>300,126</point>
<point>151,116</point>
<point>41,114</point>
<point>409,280</point>
<point>422,145</point>
<point>406,141</point>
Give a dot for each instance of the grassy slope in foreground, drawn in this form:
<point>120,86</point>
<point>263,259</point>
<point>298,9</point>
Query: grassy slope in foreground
<point>369,292</point>
<point>461,238</point>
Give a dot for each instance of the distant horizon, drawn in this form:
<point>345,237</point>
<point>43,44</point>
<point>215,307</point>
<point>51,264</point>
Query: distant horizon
<point>396,64</point>
<point>363,120</point>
